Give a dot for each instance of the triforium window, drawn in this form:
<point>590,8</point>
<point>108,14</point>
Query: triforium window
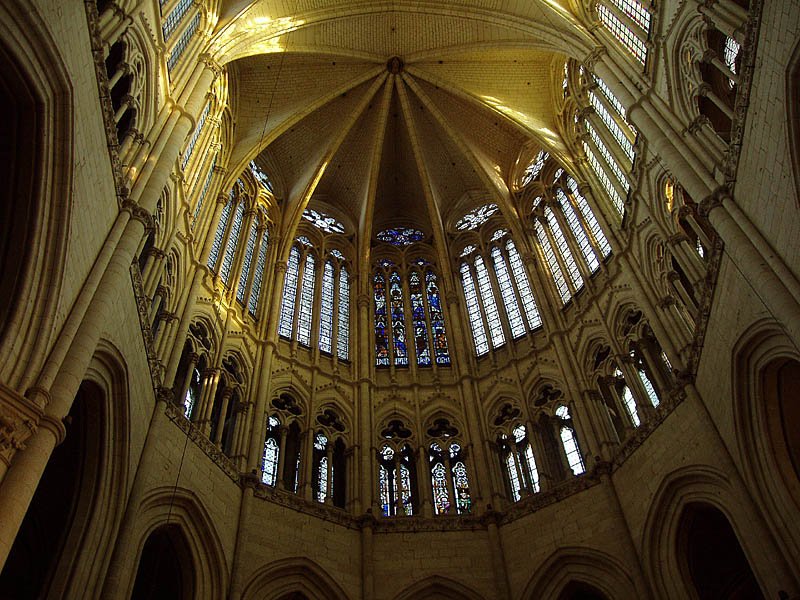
<point>300,310</point>
<point>421,315</point>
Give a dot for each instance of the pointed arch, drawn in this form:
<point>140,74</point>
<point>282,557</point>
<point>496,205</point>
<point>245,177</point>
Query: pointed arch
<point>572,564</point>
<point>297,574</point>
<point>437,587</point>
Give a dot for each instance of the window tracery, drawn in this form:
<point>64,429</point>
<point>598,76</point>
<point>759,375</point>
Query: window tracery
<point>425,317</point>
<point>322,221</point>
<point>301,312</point>
<point>476,217</point>
<point>401,236</point>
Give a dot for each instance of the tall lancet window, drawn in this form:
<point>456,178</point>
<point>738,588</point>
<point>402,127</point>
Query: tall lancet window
<point>306,302</point>
<point>513,312</point>
<point>437,320</point>
<point>474,311</point>
<point>258,277</point>
<point>219,235</point>
<point>381,331</point>
<point>421,347</point>
<point>398,320</point>
<point>629,22</point>
<point>490,306</point>
<point>289,294</point>
<point>525,292</point>
<point>343,303</point>
<point>552,262</point>
<point>326,309</point>
<point>250,249</point>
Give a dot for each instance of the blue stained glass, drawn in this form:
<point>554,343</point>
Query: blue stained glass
<point>289,294</point>
<point>255,290</point>
<point>337,254</point>
<point>306,302</point>
<point>418,319</point>
<point>440,348</point>
<point>441,500</point>
<point>183,42</point>
<point>233,241</point>
<point>401,236</point>
<point>474,311</point>
<point>398,321</point>
<point>343,334</point>
<point>187,154</point>
<point>326,313</point>
<point>381,333</point>
<point>174,18</point>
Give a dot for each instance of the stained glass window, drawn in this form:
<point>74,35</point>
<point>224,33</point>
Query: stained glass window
<point>418,321</point>
<point>269,466</point>
<point>204,190</point>
<point>187,154</point>
<point>190,400</point>
<point>589,218</point>
<point>533,170</point>
<point>326,312</point>
<point>474,311</point>
<point>498,234</point>
<point>609,158</point>
<point>513,477</point>
<point>343,333</point>
<point>398,320</point>
<point>320,445</point>
<point>337,254</point>
<point>576,227</point>
<point>468,249</point>
<point>216,245</point>
<point>255,290</point>
<point>615,103</point>
<point>490,306</point>
<point>304,240</point>
<point>441,499</point>
<point>248,260</point>
<point>599,170</point>
<point>552,262</point>
<point>611,124</point>
<point>729,54</point>
<point>306,302</point>
<point>507,293</point>
<point>401,236</point>
<point>183,42</point>
<point>386,481</point>
<point>436,314</point>
<point>564,249</point>
<point>289,294</point>
<point>476,217</point>
<point>623,33</point>
<point>461,488</point>
<point>524,286</point>
<point>261,176</point>
<point>381,332</point>
<point>569,441</point>
<point>233,241</point>
<point>634,10</point>
<point>648,387</point>
<point>405,490</point>
<point>324,222</point>
<point>174,18</point>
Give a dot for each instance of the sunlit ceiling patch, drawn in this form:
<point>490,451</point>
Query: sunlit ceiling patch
<point>476,217</point>
<point>401,236</point>
<point>324,222</point>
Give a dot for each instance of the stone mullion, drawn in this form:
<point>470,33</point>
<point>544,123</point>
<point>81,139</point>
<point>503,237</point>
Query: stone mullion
<point>502,311</point>
<point>425,482</point>
<point>526,489</point>
<point>194,358</point>
<point>726,16</point>
<point>620,402</point>
<point>543,467</point>
<point>411,342</point>
<point>227,394</point>
<point>426,316</point>
<point>281,479</point>
<point>448,477</point>
<point>261,230</point>
<point>329,478</point>
<point>704,90</point>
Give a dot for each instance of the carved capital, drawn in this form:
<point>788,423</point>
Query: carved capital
<point>138,214</point>
<point>363,300</point>
<point>14,432</point>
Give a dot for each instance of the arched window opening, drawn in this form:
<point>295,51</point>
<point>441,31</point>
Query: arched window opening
<point>338,474</point>
<point>441,493</point>
<point>165,568</point>
<point>425,318</point>
<point>343,304</point>
<point>258,277</point>
<point>519,464</point>
<point>569,440</point>
<point>781,391</point>
<point>720,68</point>
<point>289,293</point>
<point>176,22</point>
<point>62,502</point>
<point>400,350</point>
<point>397,481</point>
<point>489,305</point>
<point>626,396</point>
<point>219,235</point>
<point>580,591</point>
<point>473,310</point>
<point>629,22</point>
<point>550,256</point>
<point>232,243</point>
<point>291,461</point>
<point>712,558</point>
<point>516,324</point>
<point>322,473</point>
<point>326,309</point>
<point>271,456</point>
<point>306,302</point>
